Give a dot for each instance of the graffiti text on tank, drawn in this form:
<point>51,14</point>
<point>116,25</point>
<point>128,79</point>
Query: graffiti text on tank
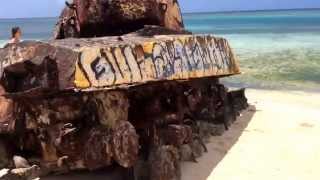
<point>169,59</point>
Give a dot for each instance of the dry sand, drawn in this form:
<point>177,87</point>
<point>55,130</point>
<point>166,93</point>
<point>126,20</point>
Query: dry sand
<point>278,139</point>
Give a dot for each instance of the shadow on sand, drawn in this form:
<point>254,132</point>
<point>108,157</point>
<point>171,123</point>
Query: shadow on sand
<point>113,173</point>
<point>217,149</point>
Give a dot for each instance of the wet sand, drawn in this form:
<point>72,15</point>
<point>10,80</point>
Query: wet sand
<point>278,139</point>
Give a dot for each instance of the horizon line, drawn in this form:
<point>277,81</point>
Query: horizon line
<point>257,10</point>
<point>191,12</point>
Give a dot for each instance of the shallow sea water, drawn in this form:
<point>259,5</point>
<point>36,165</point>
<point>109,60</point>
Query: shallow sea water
<point>276,49</point>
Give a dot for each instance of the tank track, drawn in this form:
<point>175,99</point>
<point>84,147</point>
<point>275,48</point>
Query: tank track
<point>154,126</point>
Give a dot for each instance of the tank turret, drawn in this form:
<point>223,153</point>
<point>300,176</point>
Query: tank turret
<point>96,18</point>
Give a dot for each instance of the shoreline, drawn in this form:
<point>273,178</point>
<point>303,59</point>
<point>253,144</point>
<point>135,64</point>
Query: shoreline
<point>251,11</point>
<point>285,88</point>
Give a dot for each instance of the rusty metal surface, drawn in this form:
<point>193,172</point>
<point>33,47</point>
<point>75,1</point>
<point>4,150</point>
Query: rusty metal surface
<point>93,130</point>
<point>109,63</point>
<point>142,101</point>
<point>96,18</point>
<point>75,131</point>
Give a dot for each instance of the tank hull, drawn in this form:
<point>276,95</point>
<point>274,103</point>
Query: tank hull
<point>111,63</point>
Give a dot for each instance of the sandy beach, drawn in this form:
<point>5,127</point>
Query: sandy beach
<point>277,138</point>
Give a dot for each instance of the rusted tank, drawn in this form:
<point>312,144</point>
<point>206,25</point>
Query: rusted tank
<point>144,100</point>
<point>96,18</point>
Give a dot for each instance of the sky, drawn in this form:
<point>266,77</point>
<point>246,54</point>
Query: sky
<point>52,8</point>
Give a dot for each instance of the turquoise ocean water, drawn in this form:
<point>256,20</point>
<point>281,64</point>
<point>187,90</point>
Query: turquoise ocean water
<point>276,49</point>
